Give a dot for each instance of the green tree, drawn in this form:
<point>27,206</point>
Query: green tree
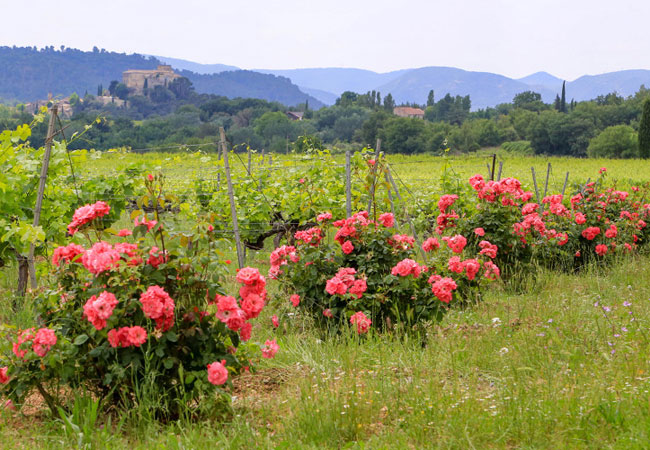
<point>112,86</point>
<point>389,103</point>
<point>619,141</point>
<point>121,91</point>
<point>431,100</point>
<point>563,98</point>
<point>529,100</point>
<point>644,131</point>
<point>100,90</point>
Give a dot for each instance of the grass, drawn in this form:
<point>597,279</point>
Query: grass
<point>548,368</point>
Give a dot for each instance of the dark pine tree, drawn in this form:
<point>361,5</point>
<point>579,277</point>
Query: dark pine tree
<point>644,131</point>
<point>431,100</point>
<point>563,99</point>
<point>556,103</point>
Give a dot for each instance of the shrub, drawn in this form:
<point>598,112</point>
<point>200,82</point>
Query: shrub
<point>368,268</point>
<point>619,141</point>
<point>130,322</point>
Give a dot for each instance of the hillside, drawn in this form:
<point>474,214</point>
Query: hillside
<point>28,74</point>
<point>245,83</point>
<point>624,82</point>
<point>485,89</point>
<point>203,69</point>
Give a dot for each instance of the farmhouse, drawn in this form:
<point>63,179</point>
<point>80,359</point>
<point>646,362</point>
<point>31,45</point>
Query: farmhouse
<point>136,79</point>
<point>407,111</point>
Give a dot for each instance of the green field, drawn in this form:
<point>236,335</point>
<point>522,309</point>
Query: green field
<point>562,364</point>
<point>419,171</point>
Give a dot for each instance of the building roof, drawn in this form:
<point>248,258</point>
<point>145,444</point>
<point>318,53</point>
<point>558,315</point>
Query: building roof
<point>407,110</point>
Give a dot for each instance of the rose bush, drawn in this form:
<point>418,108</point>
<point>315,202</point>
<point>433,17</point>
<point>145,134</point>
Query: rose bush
<point>597,222</point>
<point>130,313</point>
<point>364,272</point>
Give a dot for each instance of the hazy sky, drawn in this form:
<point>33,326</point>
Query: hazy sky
<point>567,38</point>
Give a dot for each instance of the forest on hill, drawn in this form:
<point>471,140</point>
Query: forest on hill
<point>28,74</point>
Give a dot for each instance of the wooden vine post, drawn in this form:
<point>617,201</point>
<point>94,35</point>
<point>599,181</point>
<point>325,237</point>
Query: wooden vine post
<point>233,208</point>
<point>40,195</point>
<point>374,178</point>
<point>348,184</point>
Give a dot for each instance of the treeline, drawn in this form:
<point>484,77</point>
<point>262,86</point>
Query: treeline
<point>607,126</point>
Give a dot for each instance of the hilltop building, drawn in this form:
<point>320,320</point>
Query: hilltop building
<point>135,79</point>
<point>407,111</point>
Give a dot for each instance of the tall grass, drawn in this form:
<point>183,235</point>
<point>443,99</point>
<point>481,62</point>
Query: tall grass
<point>563,364</point>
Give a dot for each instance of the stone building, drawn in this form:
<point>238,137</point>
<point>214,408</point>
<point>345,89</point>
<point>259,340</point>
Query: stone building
<point>135,79</point>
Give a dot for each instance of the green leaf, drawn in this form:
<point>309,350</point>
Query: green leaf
<point>171,336</point>
<point>81,339</point>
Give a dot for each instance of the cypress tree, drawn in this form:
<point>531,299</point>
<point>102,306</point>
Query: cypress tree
<point>556,103</point>
<point>563,99</point>
<point>644,131</point>
<point>431,98</point>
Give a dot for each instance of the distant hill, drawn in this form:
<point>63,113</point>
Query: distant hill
<point>203,69</point>
<point>542,80</point>
<point>246,83</point>
<point>28,74</point>
<point>485,89</point>
<point>624,82</point>
<point>335,80</point>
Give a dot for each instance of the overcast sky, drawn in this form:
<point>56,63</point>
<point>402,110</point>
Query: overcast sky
<point>567,38</point>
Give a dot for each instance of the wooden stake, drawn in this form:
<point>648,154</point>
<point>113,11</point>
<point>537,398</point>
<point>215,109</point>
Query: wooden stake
<point>406,213</point>
<point>566,180</point>
<point>233,207</point>
<point>348,184</point>
<point>532,170</point>
<point>494,163</point>
<point>41,192</point>
<point>249,160</point>
<point>500,169</point>
<point>374,178</point>
<point>548,174</point>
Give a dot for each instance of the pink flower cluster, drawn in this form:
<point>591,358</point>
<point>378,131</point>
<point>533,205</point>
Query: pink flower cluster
<point>86,214</point>
<point>361,321</point>
<point>149,223</point>
<point>442,287</point>
<point>217,372</point>
<point>488,249</point>
<point>407,267</point>
<point>402,241</point>
<point>253,298</point>
<point>324,216</point>
<point>446,201</point>
<point>311,236</point>
<point>157,257</point>
<point>127,337</point>
<point>347,227</point>
<point>456,243</point>
<point>344,281</point>
<point>430,244</point>
<point>590,233</point>
<point>100,258</point>
<point>470,266</point>
<point>280,257</point>
<point>387,220</point>
<point>67,253</point>
<point>271,347</point>
<point>4,378</point>
<point>99,309</point>
<point>509,189</point>
<point>159,306</point>
<point>42,341</point>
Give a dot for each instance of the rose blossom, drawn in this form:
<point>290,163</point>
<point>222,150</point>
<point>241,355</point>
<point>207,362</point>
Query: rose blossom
<point>362,322</point>
<point>270,349</point>
<point>217,372</point>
